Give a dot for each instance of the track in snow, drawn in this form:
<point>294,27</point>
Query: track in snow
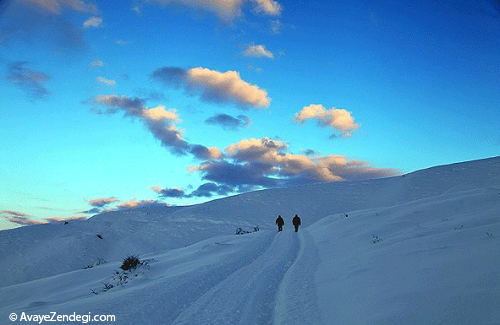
<point>250,294</point>
<point>260,278</point>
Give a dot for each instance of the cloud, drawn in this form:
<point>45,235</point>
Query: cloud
<point>235,175</point>
<point>96,63</point>
<point>26,220</point>
<point>227,10</point>
<point>276,26</point>
<point>102,202</point>
<point>105,81</point>
<point>171,76</point>
<point>338,119</point>
<point>141,204</point>
<point>121,42</point>
<point>31,81</point>
<point>55,7</point>
<point>169,192</point>
<point>92,211</point>
<point>264,163</point>
<point>160,122</point>
<point>228,122</point>
<point>137,9</point>
<point>258,51</point>
<point>93,22</point>
<point>214,86</point>
<point>20,218</point>
<point>205,190</point>
<point>309,152</point>
<point>202,152</point>
<point>210,189</point>
<point>59,220</point>
<point>42,22</point>
<point>99,204</point>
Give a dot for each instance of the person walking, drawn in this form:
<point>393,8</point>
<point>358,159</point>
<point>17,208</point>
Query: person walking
<point>280,222</point>
<point>296,222</point>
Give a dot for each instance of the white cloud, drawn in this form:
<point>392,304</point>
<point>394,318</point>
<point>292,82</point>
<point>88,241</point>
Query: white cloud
<point>93,22</point>
<point>338,119</point>
<point>159,113</point>
<point>218,86</point>
<point>258,51</point>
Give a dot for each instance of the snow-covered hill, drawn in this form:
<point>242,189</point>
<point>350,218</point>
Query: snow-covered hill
<point>421,248</point>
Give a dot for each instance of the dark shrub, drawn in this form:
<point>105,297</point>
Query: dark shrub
<point>130,263</point>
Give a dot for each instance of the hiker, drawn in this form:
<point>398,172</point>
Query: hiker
<point>296,222</point>
<point>280,222</point>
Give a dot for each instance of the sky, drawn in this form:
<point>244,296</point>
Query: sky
<point>108,105</point>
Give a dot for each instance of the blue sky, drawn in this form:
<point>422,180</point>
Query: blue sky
<point>108,105</point>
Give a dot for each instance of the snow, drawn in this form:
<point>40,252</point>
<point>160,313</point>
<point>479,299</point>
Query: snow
<point>421,248</point>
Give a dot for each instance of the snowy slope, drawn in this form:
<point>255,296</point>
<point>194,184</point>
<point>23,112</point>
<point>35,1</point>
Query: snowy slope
<point>415,249</point>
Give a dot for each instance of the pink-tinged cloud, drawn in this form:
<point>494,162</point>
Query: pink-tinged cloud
<point>101,202</point>
<point>56,7</point>
<point>105,81</point>
<point>58,219</point>
<point>227,10</point>
<point>253,163</point>
<point>141,204</point>
<point>227,86</point>
<point>20,218</point>
<point>214,86</point>
<point>258,51</point>
<point>24,221</point>
<point>338,119</point>
<point>169,192</point>
<point>160,113</point>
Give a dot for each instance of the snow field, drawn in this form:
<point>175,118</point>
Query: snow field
<point>430,261</point>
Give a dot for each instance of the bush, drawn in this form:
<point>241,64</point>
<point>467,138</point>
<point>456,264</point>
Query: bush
<point>130,263</point>
<point>241,231</point>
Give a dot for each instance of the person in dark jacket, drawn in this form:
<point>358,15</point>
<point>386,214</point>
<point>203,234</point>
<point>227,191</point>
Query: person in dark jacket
<point>296,222</point>
<point>280,222</point>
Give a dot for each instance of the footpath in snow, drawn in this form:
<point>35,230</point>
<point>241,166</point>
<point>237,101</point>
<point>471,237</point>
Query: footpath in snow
<point>258,278</point>
<point>250,294</point>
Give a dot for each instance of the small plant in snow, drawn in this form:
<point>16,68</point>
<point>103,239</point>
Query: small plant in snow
<point>130,262</point>
<point>131,267</point>
<point>96,263</point>
<point>241,231</point>
<point>376,239</point>
<point>107,286</point>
